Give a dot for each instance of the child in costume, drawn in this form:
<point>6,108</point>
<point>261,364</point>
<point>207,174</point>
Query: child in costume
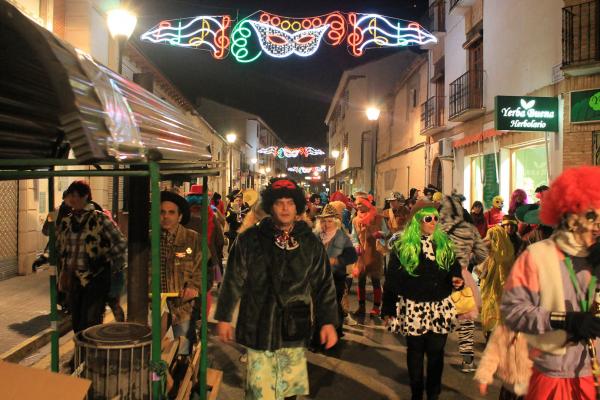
<point>494,215</point>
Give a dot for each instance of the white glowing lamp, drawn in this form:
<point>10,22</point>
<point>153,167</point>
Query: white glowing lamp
<point>254,161</point>
<point>268,169</point>
<point>335,153</point>
<point>121,23</point>
<point>231,137</point>
<point>373,113</point>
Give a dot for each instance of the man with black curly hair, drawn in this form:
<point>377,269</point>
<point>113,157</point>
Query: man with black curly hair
<point>280,273</point>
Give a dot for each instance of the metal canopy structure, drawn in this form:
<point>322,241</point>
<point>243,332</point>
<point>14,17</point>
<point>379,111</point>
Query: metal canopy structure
<point>54,99</point>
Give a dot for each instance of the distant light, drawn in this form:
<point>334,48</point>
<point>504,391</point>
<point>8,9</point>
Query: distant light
<point>283,175</point>
<point>268,169</point>
<point>373,113</point>
<point>254,161</point>
<point>121,23</point>
<point>262,171</point>
<point>327,189</point>
<point>335,153</point>
<point>324,184</point>
<point>231,137</point>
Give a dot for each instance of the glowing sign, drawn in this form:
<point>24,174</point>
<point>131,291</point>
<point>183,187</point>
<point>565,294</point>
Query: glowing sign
<point>307,170</point>
<point>207,32</point>
<point>515,113</point>
<point>286,152</point>
<point>279,37</point>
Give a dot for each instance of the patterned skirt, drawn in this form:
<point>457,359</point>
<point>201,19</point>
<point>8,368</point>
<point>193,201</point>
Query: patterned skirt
<point>417,318</point>
<point>275,375</point>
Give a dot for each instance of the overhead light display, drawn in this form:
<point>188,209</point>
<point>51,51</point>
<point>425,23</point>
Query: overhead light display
<point>280,37</point>
<point>287,152</point>
<point>307,170</point>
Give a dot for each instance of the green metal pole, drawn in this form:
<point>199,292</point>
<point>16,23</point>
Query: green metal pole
<point>155,255</point>
<point>54,355</point>
<point>204,293</point>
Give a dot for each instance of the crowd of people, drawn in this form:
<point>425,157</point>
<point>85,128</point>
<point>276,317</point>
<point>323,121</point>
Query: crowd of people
<point>526,277</point>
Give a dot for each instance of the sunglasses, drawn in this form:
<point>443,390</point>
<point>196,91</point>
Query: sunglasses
<point>430,218</point>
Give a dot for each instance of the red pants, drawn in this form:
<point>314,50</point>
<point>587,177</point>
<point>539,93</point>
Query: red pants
<point>543,387</point>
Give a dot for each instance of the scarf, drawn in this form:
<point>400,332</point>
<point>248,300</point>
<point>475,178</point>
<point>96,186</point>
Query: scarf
<point>326,237</point>
<point>566,242</point>
<point>427,247</point>
<point>365,218</point>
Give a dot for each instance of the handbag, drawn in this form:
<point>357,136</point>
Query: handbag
<point>464,300</point>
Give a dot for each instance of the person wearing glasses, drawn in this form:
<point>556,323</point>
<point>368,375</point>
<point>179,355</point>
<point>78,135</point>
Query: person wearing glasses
<point>422,272</point>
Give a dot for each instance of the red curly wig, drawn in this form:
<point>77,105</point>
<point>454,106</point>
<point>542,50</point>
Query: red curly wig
<point>574,191</point>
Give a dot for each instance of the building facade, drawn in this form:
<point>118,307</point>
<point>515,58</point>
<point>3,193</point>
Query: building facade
<point>477,61</point>
<point>351,135</point>
<point>247,167</point>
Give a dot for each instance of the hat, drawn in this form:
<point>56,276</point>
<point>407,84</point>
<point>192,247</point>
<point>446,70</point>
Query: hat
<point>395,196</point>
<point>234,194</point>
<point>250,196</point>
<point>430,190</point>
<point>196,189</point>
<point>419,205</point>
<point>329,211</point>
<point>437,197</point>
<point>364,195</point>
<point>283,188</point>
<point>182,204</point>
<point>508,220</point>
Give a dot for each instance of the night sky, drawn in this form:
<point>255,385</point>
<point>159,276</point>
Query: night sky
<point>292,95</point>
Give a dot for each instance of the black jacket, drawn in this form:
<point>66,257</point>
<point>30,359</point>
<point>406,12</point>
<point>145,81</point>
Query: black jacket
<point>303,274</point>
<point>430,283</point>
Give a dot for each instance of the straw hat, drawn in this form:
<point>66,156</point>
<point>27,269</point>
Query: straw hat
<point>329,211</point>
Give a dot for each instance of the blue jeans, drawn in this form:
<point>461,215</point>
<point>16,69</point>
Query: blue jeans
<point>187,330</point>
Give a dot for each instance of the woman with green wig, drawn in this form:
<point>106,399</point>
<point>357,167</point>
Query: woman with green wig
<point>422,272</point>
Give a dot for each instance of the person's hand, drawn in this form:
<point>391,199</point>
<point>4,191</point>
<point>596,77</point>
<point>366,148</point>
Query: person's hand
<point>189,294</point>
<point>225,331</point>
<point>578,324</point>
<point>359,249</point>
<point>483,389</point>
<point>333,261</point>
<point>457,283</point>
<point>328,336</point>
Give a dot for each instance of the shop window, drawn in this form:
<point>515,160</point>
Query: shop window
<point>529,168</point>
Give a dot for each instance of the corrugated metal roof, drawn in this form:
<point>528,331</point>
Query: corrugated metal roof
<point>54,98</point>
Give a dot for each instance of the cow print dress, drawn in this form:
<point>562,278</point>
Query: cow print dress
<point>417,318</point>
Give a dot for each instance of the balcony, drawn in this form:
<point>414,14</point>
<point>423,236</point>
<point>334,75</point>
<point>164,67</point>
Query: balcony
<point>466,97</point>
<point>460,7</point>
<point>432,116</point>
<point>581,38</point>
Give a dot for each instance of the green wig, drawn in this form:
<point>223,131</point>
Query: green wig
<point>408,248</point>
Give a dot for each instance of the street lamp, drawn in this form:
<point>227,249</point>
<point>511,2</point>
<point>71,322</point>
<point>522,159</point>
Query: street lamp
<point>121,24</point>
<point>268,169</point>
<point>254,161</point>
<point>373,113</point>
<point>231,138</point>
<point>335,153</point>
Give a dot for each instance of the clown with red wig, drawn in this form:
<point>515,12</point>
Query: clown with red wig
<point>368,227</point>
<point>551,287</point>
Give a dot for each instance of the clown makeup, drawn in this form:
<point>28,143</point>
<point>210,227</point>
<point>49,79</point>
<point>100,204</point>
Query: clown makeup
<point>585,226</point>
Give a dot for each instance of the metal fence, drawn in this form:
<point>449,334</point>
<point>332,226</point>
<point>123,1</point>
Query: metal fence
<point>580,33</point>
<point>466,93</point>
<point>432,113</point>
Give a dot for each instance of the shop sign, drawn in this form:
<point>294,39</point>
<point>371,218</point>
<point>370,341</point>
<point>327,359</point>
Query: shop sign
<point>585,106</point>
<point>517,113</point>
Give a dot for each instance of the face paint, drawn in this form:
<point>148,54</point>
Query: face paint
<point>279,43</point>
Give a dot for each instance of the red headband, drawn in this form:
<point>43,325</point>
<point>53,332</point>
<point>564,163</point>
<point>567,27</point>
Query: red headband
<point>365,201</point>
<point>283,183</point>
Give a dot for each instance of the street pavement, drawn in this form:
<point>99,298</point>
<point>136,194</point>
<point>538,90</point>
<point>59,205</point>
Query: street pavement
<point>24,308</point>
<point>369,363</point>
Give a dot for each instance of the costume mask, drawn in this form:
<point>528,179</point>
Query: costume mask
<point>498,202</point>
<point>279,43</point>
<point>585,226</point>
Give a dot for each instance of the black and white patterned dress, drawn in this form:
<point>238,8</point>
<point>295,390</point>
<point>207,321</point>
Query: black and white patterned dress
<point>415,318</point>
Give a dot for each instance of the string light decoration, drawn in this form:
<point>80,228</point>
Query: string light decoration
<point>202,32</point>
<point>374,30</point>
<point>307,170</point>
<point>287,152</point>
<point>280,37</point>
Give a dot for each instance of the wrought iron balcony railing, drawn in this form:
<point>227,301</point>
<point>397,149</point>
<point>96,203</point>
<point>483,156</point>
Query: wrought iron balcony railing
<point>581,33</point>
<point>432,114</point>
<point>466,94</point>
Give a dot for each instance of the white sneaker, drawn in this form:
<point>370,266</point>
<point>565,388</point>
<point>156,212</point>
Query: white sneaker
<point>350,321</point>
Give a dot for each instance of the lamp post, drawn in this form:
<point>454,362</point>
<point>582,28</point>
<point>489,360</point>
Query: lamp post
<point>121,24</point>
<point>231,138</point>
